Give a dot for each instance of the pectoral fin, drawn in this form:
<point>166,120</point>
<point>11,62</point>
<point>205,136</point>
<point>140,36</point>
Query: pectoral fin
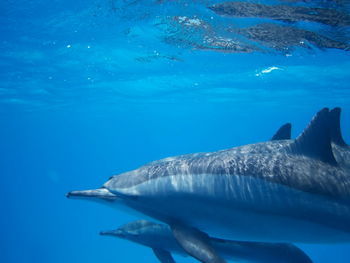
<point>163,255</point>
<point>196,244</point>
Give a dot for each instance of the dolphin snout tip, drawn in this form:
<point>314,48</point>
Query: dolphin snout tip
<point>72,194</point>
<point>106,233</point>
<point>78,194</point>
<point>116,233</point>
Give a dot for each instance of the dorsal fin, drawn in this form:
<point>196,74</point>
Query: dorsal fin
<point>336,135</point>
<point>283,133</point>
<point>315,140</point>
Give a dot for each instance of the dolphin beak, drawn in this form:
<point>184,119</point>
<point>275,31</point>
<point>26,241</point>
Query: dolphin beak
<point>117,233</point>
<point>100,193</point>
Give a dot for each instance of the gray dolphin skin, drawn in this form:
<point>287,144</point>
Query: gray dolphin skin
<point>278,191</point>
<point>160,238</point>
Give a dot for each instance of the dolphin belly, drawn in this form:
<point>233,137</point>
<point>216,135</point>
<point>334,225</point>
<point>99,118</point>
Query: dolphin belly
<point>241,208</point>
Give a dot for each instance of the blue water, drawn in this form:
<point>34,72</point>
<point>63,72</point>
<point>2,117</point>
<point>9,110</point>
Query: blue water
<point>90,88</point>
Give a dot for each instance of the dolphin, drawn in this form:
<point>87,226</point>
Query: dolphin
<point>292,193</point>
<point>160,238</point>
<point>281,138</point>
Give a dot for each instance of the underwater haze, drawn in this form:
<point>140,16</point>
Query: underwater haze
<point>93,88</point>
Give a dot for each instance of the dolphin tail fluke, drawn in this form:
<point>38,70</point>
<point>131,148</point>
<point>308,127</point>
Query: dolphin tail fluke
<point>100,193</point>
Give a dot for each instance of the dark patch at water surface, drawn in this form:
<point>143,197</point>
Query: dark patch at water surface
<point>284,13</point>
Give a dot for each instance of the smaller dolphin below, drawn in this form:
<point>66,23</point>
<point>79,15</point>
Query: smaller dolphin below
<point>160,238</point>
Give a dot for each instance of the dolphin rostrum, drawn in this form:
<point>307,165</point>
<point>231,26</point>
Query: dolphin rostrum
<point>292,193</point>
<point>159,237</point>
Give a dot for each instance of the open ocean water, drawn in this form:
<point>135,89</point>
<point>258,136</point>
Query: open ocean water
<point>93,88</point>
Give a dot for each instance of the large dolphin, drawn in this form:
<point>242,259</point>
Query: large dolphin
<point>295,193</point>
<point>281,138</point>
<point>160,238</point>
